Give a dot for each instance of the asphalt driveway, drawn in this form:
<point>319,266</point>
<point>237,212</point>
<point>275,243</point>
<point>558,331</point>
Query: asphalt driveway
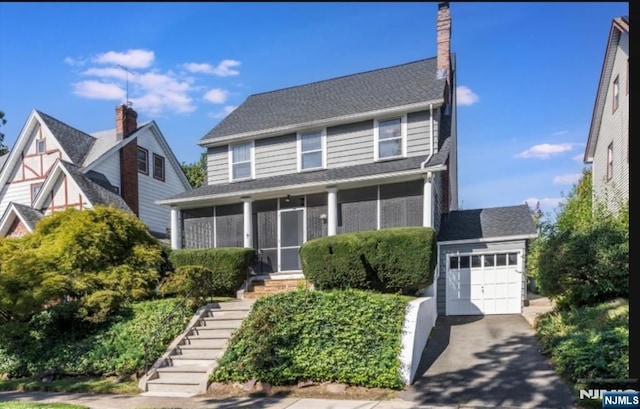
<point>486,361</point>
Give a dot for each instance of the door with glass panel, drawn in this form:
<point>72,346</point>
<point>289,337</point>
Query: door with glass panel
<point>290,238</point>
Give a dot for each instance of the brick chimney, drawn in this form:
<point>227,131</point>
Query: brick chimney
<point>126,125</point>
<point>443,27</point>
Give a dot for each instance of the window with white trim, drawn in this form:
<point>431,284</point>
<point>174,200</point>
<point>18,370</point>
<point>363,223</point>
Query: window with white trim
<point>41,146</point>
<point>610,161</point>
<point>311,150</point>
<point>240,159</point>
<point>158,167</point>
<point>389,138</point>
<point>142,156</point>
<point>616,93</point>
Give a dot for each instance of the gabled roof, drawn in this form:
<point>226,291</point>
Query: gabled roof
<point>3,159</point>
<point>94,193</point>
<point>618,26</point>
<point>321,177</point>
<point>75,143</point>
<point>106,141</point>
<point>27,215</point>
<point>493,222</point>
<point>406,84</point>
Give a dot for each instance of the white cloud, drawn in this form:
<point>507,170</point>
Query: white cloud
<point>98,90</point>
<point>545,150</point>
<point>74,62</point>
<point>161,92</point>
<point>558,133</point>
<point>579,158</point>
<point>567,179</point>
<point>216,95</point>
<point>117,73</point>
<point>224,69</point>
<point>465,96</point>
<point>545,203</point>
<point>130,58</point>
<point>225,111</point>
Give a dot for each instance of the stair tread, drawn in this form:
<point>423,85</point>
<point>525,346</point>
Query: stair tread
<point>173,382</point>
<point>186,368</point>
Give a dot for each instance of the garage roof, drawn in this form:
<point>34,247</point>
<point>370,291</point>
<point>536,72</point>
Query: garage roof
<point>487,223</point>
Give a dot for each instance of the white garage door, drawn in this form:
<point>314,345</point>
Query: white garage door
<point>484,284</point>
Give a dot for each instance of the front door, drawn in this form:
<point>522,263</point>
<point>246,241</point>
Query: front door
<point>290,238</point>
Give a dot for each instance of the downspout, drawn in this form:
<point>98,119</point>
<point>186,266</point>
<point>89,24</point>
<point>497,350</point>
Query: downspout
<point>423,164</point>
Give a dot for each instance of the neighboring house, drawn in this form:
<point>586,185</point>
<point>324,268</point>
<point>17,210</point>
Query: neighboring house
<point>366,151</point>
<point>608,144</point>
<point>53,166</point>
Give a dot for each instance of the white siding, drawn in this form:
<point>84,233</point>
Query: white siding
<point>32,169</point>
<point>110,167</point>
<point>614,129</point>
<point>65,193</point>
<point>156,217</point>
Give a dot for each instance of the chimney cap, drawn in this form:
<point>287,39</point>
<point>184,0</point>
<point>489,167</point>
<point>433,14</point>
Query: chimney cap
<point>443,4</point>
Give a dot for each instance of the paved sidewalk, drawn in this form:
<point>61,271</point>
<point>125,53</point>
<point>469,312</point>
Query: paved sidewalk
<point>537,305</point>
<point>98,401</point>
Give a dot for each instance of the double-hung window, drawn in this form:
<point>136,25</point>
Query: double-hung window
<point>616,94</point>
<point>158,167</point>
<point>241,163</point>
<point>311,150</point>
<point>390,137</point>
<point>142,156</point>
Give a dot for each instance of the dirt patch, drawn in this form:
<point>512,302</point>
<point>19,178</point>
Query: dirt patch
<point>316,391</point>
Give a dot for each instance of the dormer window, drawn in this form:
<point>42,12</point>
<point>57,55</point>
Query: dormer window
<point>390,138</point>
<point>41,146</point>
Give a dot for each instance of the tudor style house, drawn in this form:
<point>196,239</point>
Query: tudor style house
<point>365,151</point>
<point>608,143</point>
<point>54,166</point>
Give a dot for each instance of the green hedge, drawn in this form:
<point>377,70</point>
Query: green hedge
<point>55,339</point>
<point>229,265</point>
<point>399,259</point>
<point>349,336</point>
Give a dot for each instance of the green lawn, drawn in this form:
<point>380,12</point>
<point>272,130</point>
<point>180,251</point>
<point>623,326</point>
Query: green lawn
<point>30,405</point>
<point>71,384</point>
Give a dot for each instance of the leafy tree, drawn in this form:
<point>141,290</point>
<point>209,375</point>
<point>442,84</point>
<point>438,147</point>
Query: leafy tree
<point>95,259</point>
<point>196,172</point>
<point>3,147</point>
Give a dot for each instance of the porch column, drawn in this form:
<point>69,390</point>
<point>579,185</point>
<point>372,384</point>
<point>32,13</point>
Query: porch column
<point>332,211</point>
<point>176,234</point>
<point>427,204</point>
<point>248,222</point>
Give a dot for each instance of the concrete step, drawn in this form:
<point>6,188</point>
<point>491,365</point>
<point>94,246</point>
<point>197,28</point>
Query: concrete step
<point>240,305</point>
<point>278,283</point>
<point>210,332</point>
<point>202,341</point>
<point>219,324</point>
<point>181,377</point>
<point>182,369</point>
<point>226,315</point>
<point>194,360</point>
<point>158,385</point>
<point>197,352</point>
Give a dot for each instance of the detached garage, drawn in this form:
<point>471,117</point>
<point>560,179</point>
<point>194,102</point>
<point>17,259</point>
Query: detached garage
<point>482,260</point>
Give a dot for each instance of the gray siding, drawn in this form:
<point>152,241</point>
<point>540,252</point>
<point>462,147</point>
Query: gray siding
<point>419,133</point>
<point>350,144</point>
<point>218,165</point>
<point>276,156</point>
<point>472,248</point>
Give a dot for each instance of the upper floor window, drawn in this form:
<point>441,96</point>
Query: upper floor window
<point>143,160</point>
<point>390,138</point>
<point>311,147</point>
<point>610,161</point>
<point>35,189</point>
<point>241,161</point>
<point>158,167</point>
<point>41,146</point>
<point>616,93</point>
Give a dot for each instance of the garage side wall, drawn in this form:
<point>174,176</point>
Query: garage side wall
<point>472,248</point>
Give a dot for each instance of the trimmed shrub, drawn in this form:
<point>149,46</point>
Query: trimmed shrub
<point>399,259</point>
<point>229,265</point>
<point>194,282</point>
<point>349,336</point>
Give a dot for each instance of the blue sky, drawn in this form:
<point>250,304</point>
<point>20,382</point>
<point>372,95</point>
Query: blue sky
<point>527,72</point>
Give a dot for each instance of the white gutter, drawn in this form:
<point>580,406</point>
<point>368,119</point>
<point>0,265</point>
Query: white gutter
<point>423,164</point>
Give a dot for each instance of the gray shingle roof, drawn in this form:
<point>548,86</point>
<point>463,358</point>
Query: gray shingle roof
<point>95,193</point>
<point>321,176</point>
<point>399,85</point>
<point>27,213</point>
<point>74,142</point>
<point>106,140</point>
<point>487,223</point>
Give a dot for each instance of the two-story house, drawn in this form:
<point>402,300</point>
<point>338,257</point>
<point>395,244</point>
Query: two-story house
<point>366,151</point>
<point>54,166</point>
<point>608,143</point>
